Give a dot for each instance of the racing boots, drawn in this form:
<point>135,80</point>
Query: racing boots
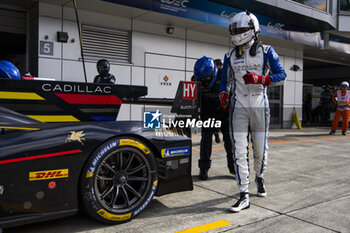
<point>241,204</point>
<point>232,171</point>
<point>260,186</point>
<point>343,133</point>
<point>332,133</point>
<point>203,174</point>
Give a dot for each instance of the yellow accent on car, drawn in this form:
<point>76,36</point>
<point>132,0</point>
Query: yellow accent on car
<point>130,142</point>
<point>54,118</point>
<point>113,217</point>
<point>89,174</point>
<point>20,95</point>
<point>48,175</point>
<point>21,128</point>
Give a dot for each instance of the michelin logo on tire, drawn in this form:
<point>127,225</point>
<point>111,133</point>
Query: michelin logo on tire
<point>99,155</point>
<point>143,206</point>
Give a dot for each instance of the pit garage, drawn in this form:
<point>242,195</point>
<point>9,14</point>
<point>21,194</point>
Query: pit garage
<point>323,71</point>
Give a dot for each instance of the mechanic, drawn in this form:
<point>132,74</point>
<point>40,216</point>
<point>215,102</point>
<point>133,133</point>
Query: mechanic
<point>104,76</point>
<point>307,106</point>
<point>246,72</point>
<point>342,99</point>
<point>326,105</point>
<point>209,76</point>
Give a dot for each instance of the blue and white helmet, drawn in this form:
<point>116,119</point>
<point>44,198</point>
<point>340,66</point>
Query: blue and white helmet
<point>243,28</point>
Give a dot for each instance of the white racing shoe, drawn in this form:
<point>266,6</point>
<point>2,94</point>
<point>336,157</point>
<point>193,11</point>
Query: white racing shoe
<point>241,204</point>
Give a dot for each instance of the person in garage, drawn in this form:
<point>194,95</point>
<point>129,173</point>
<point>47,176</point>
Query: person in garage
<point>307,106</point>
<point>326,105</point>
<point>342,99</point>
<point>246,72</point>
<point>104,76</point>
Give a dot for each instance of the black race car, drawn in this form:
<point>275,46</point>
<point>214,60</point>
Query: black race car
<point>110,169</point>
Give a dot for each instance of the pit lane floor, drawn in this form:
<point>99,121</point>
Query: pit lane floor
<point>308,190</point>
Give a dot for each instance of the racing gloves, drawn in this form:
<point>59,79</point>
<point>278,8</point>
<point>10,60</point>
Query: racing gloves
<point>252,78</point>
<point>224,101</point>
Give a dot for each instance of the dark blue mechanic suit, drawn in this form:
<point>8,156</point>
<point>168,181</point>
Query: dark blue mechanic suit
<point>210,108</point>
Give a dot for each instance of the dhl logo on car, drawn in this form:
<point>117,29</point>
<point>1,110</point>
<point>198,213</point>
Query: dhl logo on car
<point>46,175</point>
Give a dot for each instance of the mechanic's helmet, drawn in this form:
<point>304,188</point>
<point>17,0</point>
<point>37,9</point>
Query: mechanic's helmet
<point>103,66</point>
<point>205,71</point>
<point>243,28</point>
<point>9,70</point>
<point>344,84</point>
<point>218,63</point>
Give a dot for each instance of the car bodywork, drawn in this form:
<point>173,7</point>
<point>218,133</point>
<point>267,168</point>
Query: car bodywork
<point>34,155</point>
<point>41,164</point>
<point>57,101</point>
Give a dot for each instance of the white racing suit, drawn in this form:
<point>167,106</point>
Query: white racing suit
<point>249,107</point>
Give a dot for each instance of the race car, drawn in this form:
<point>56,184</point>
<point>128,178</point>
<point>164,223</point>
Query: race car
<point>110,169</point>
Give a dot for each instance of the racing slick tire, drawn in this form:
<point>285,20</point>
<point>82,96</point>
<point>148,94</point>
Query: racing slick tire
<point>119,180</point>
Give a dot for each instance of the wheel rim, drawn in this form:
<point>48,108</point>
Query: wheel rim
<point>122,180</point>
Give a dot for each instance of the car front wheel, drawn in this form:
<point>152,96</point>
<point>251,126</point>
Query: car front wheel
<point>119,180</point>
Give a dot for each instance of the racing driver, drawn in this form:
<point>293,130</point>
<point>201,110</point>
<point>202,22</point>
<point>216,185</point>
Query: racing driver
<point>247,74</point>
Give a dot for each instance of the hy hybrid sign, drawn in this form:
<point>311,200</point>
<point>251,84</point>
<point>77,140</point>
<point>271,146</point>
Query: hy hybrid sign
<point>189,90</point>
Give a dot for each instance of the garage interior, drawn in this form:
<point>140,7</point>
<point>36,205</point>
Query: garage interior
<point>13,37</point>
<point>320,73</point>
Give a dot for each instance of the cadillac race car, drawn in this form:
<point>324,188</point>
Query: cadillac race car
<point>110,169</point>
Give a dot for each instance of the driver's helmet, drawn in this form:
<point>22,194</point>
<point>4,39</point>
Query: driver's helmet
<point>9,70</point>
<point>243,28</point>
<point>205,71</point>
<point>344,84</point>
<point>103,67</point>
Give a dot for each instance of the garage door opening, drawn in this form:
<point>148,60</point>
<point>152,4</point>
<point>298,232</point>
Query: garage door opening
<point>13,37</point>
<point>322,73</point>
<point>321,80</point>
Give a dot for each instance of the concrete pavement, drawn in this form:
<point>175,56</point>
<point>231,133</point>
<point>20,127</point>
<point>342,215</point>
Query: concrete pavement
<point>308,190</point>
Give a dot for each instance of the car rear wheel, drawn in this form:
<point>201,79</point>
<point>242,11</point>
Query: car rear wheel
<point>119,180</point>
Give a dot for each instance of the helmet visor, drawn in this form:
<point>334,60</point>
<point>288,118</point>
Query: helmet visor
<point>205,81</point>
<point>102,69</point>
<point>344,84</point>
<point>237,30</point>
